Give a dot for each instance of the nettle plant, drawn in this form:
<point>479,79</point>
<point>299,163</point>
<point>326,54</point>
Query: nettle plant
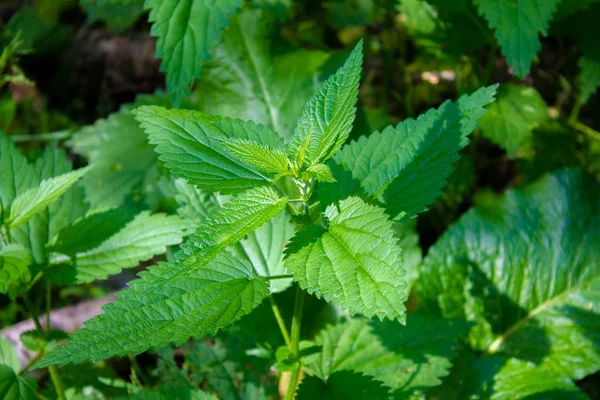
<point>341,200</point>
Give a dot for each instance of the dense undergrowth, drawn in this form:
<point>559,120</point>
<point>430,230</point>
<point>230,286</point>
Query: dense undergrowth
<point>362,199</point>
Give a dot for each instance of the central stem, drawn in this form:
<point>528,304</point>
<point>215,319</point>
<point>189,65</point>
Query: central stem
<point>295,346</point>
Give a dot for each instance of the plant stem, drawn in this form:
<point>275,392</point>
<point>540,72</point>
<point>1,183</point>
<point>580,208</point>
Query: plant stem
<point>574,116</point>
<point>33,314</point>
<point>34,281</point>
<point>295,345</point>
<point>48,306</point>
<point>280,322</point>
<point>58,384</point>
<point>272,277</point>
<point>31,362</point>
<point>57,135</point>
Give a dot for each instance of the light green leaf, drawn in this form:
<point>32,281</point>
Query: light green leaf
<point>525,270</point>
<point>13,386</point>
<point>202,290</point>
<point>71,205</point>
<point>187,32</point>
<point>263,248</point>
<point>518,24</point>
<point>509,122</point>
<point>409,359</point>
<point>355,263</point>
<point>589,78</point>
<point>327,118</point>
<point>259,156</point>
<point>185,141</point>
<point>407,166</point>
<point>14,263</point>
<point>140,240</point>
<point>341,385</point>
<point>247,79</point>
<point>16,174</point>
<point>34,200</point>
<point>8,354</point>
<point>321,172</point>
<point>90,231</point>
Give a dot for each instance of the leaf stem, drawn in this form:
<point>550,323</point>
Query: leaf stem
<point>33,314</point>
<point>57,135</point>
<point>295,345</point>
<point>272,277</point>
<point>58,384</point>
<point>280,322</point>
<point>48,306</point>
<point>574,116</point>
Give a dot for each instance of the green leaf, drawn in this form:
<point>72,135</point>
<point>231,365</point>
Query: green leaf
<point>409,359</point>
<point>355,263</point>
<point>327,118</point>
<point>70,206</point>
<point>118,15</point>
<point>8,354</point>
<point>518,23</point>
<point>589,78</point>
<point>140,240</point>
<point>259,156</point>
<point>14,267</point>
<point>248,79</point>
<point>90,231</point>
<point>263,248</point>
<point>34,200</point>
<point>202,290</point>
<point>125,164</point>
<point>341,385</point>
<point>321,172</point>
<point>407,166</point>
<point>13,386</point>
<point>16,174</point>
<point>503,379</point>
<point>185,141</point>
<point>165,307</point>
<point>193,204</point>
<point>510,121</point>
<point>525,270</point>
<point>187,32</point>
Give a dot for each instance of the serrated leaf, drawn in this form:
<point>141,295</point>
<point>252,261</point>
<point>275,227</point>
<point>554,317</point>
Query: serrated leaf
<point>341,385</point>
<point>321,172</point>
<point>409,359</point>
<point>185,141</point>
<point>187,31</point>
<point>407,166</point>
<point>34,200</point>
<point>140,240</point>
<point>248,79</point>
<point>193,204</point>
<point>202,290</point>
<point>90,231</point>
<point>518,24</point>
<point>525,270</point>
<point>264,247</point>
<point>589,77</point>
<point>13,386</point>
<point>503,379</point>
<point>509,122</point>
<point>122,157</point>
<point>356,263</point>
<point>14,263</point>
<point>257,155</point>
<point>327,118</point>
<point>167,307</point>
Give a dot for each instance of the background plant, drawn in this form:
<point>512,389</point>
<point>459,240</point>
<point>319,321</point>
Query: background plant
<point>305,216</point>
